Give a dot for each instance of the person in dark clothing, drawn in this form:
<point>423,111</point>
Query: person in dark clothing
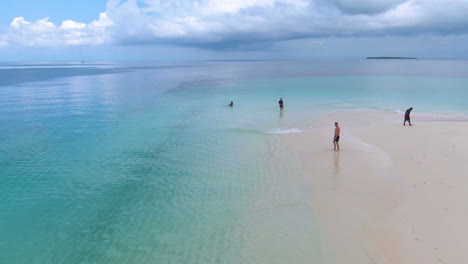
<point>407,116</point>
<point>281,104</point>
<point>336,137</point>
<point>231,103</point>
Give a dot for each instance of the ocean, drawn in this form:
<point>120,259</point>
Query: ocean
<point>145,162</point>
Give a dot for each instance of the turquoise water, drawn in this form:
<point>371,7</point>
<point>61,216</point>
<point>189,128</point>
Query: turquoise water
<point>141,162</point>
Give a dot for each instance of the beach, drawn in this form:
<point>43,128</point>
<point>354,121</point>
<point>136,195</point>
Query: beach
<point>205,132</point>
<point>393,193</point>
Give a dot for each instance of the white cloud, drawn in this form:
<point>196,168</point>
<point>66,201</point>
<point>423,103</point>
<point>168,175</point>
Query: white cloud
<point>227,23</point>
<point>42,32</point>
<point>102,22</point>
<point>71,25</point>
<point>17,22</point>
<point>3,41</point>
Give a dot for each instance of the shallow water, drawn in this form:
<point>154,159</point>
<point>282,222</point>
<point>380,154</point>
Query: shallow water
<point>143,162</point>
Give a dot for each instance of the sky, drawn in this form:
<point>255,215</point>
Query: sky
<point>57,30</point>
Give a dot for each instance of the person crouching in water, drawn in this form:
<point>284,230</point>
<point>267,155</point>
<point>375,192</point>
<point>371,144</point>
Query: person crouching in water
<point>281,104</point>
<point>407,116</point>
<point>336,138</point>
<point>231,104</point>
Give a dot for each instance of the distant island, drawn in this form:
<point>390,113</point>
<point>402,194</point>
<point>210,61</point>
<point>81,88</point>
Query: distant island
<point>391,58</point>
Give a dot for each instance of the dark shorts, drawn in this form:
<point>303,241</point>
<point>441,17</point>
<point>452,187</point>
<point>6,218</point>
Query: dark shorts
<point>336,138</point>
<point>407,118</point>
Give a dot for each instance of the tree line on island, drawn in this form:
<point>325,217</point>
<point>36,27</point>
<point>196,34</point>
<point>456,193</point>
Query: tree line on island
<point>391,58</point>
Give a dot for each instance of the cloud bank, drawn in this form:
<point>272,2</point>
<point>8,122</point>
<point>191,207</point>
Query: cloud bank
<point>224,24</point>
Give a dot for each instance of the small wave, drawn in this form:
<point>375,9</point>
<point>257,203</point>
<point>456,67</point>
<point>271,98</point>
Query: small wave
<point>278,131</point>
<point>398,111</point>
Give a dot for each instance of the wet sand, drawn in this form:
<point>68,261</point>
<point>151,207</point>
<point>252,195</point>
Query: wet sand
<point>393,193</point>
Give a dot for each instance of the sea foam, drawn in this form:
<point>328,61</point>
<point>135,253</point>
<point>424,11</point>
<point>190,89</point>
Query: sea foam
<point>277,131</point>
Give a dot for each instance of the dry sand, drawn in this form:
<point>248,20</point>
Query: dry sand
<point>392,194</point>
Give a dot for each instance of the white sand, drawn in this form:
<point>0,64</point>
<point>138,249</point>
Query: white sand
<point>392,194</point>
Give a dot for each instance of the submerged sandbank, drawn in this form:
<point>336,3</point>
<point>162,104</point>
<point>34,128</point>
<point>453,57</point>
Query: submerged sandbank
<point>393,194</point>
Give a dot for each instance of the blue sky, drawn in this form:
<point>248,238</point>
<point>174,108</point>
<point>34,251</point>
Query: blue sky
<point>57,10</point>
<point>225,29</point>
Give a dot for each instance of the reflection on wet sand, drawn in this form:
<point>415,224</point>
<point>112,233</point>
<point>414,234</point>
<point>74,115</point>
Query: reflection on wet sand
<point>336,163</point>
